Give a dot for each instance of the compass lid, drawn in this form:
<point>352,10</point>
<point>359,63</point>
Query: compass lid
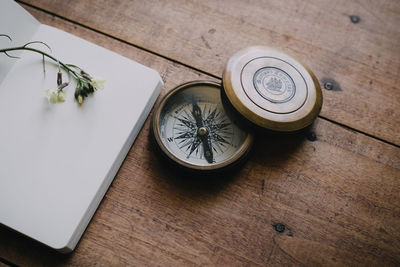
<point>272,89</point>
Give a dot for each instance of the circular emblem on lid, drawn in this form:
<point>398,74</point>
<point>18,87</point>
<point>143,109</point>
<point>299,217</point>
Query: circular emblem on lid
<point>274,84</point>
<point>272,89</point>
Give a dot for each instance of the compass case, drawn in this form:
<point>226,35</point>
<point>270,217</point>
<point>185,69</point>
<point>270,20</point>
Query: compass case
<point>179,137</point>
<point>272,89</point>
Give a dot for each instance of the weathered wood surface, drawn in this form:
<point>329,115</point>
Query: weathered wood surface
<point>363,58</point>
<point>338,196</point>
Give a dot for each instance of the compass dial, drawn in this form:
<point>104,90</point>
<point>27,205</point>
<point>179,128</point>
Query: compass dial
<point>192,128</point>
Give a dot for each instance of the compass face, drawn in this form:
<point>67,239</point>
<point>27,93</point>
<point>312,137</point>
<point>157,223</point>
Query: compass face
<point>194,130</point>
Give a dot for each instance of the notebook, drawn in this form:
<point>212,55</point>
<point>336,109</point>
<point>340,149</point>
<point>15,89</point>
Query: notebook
<point>58,160</point>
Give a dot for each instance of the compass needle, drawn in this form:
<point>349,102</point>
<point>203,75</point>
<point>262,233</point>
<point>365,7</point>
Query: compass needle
<point>195,144</point>
<point>203,132</point>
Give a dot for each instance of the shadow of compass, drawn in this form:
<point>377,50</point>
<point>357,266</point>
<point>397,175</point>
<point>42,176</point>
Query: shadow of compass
<point>196,183</point>
<point>274,148</point>
<point>270,149</point>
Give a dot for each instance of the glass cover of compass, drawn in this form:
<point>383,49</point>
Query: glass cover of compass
<point>192,128</point>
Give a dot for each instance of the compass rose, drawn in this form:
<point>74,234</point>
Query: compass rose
<point>202,131</point>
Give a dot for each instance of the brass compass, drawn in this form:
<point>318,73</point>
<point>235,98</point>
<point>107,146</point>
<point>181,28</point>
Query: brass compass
<point>272,89</point>
<point>191,128</point>
<point>262,86</point>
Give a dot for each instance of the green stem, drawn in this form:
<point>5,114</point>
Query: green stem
<point>44,54</point>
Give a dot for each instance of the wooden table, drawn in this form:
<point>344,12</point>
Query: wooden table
<point>328,196</point>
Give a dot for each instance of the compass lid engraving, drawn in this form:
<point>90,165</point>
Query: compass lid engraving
<point>272,89</point>
<point>274,84</point>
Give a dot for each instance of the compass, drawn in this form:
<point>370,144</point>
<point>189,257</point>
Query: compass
<point>271,89</point>
<point>196,126</point>
<point>192,128</point>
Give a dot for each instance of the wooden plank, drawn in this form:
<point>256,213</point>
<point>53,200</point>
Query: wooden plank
<point>337,198</point>
<point>363,58</point>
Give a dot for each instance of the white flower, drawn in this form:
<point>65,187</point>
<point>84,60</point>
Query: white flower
<point>52,95</point>
<point>61,96</point>
<point>55,96</point>
<point>98,83</point>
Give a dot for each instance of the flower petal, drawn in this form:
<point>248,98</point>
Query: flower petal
<point>53,97</point>
<point>61,96</point>
<point>98,83</point>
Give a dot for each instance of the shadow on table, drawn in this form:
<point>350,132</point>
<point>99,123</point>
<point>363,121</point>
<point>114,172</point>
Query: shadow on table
<point>269,149</point>
<point>14,244</point>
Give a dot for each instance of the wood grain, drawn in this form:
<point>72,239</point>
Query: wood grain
<point>362,59</point>
<point>338,198</point>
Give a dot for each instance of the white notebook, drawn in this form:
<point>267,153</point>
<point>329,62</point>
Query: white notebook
<point>58,160</point>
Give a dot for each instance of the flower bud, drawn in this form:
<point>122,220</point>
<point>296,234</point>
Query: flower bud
<point>76,94</point>
<point>80,99</point>
<point>59,78</point>
<point>62,86</point>
<point>90,88</point>
<point>61,96</point>
<point>86,77</point>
